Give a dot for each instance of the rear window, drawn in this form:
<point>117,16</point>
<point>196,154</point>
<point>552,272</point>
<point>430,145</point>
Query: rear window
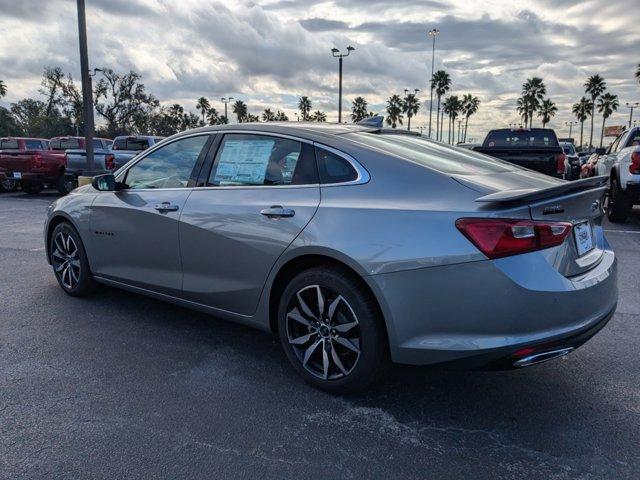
<point>131,143</point>
<point>33,144</point>
<point>519,138</point>
<point>568,149</point>
<point>64,144</point>
<point>435,155</point>
<point>9,144</point>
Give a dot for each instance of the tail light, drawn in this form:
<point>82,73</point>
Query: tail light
<point>37,161</point>
<point>634,168</point>
<point>498,238</point>
<point>109,161</point>
<point>560,158</point>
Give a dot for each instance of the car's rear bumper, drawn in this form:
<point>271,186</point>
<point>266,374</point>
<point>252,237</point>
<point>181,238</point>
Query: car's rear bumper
<point>478,313</point>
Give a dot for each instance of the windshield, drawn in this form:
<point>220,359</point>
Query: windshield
<point>519,138</point>
<point>435,155</point>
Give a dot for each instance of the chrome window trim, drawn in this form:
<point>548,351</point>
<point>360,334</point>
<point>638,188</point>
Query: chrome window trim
<point>142,155</point>
<point>363,175</point>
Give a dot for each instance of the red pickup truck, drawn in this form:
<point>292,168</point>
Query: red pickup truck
<point>35,163</point>
<point>29,162</point>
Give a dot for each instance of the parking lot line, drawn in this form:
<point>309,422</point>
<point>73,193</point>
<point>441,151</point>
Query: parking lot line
<point>624,231</point>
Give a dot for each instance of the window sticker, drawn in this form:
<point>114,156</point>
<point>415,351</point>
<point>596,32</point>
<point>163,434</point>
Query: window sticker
<point>244,162</point>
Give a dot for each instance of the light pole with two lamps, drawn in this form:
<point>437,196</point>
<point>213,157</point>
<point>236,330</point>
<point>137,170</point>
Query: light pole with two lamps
<point>336,54</point>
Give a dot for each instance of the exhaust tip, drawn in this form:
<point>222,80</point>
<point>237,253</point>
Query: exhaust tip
<point>543,357</point>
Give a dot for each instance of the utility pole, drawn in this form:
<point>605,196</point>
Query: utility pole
<point>87,91</point>
<point>336,54</point>
<point>631,106</point>
<point>226,102</point>
<point>434,32</point>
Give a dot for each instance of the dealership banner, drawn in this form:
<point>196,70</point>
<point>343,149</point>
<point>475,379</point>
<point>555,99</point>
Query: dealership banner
<point>613,130</point>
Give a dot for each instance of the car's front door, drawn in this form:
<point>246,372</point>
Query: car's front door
<point>135,229</point>
<point>259,195</point>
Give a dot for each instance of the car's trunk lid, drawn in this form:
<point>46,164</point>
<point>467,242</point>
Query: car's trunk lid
<point>579,202</point>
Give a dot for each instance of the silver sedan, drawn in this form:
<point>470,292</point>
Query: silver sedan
<point>356,245</point>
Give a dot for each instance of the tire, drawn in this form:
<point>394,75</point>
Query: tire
<point>32,188</point>
<point>349,328</point>
<point>69,261</point>
<point>8,185</point>
<point>619,205</point>
<point>65,184</point>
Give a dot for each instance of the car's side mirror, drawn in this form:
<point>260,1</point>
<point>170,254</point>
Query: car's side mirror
<point>105,183</point>
<point>602,151</point>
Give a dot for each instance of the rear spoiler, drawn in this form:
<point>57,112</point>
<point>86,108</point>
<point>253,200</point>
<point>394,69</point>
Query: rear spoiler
<point>530,194</point>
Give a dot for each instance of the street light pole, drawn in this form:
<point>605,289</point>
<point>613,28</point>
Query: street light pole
<point>336,54</point>
<point>631,106</point>
<point>87,92</point>
<point>570,125</point>
<point>434,32</point>
<point>226,101</point>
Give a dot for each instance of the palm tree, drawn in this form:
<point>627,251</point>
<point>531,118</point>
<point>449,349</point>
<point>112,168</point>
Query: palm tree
<point>581,111</point>
<point>3,89</point>
<point>281,117</point>
<point>607,104</point>
<point>359,109</point>
<point>594,86</point>
<point>268,115</point>
<point>533,90</point>
<point>318,116</point>
<point>240,109</point>
<point>410,106</point>
<point>452,107</point>
<point>522,106</point>
<point>250,117</point>
<point>304,105</point>
<point>441,83</point>
<point>470,105</point>
<point>203,105</point>
<point>547,110</point>
<point>394,111</point>
<point>214,117</point>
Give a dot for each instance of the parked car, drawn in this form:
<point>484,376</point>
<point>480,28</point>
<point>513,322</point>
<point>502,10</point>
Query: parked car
<point>572,161</point>
<point>534,148</point>
<point>28,161</point>
<point>122,150</point>
<point>590,167</point>
<point>621,163</point>
<point>584,156</point>
<point>356,245</point>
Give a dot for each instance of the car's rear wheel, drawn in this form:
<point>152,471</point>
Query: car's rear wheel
<point>32,188</point>
<point>8,185</point>
<point>618,204</point>
<point>65,184</point>
<point>69,261</point>
<point>331,331</point>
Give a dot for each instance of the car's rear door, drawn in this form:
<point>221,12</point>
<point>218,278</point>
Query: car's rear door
<point>259,194</point>
<point>135,230</point>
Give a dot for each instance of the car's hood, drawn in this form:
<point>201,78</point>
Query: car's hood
<point>516,179</point>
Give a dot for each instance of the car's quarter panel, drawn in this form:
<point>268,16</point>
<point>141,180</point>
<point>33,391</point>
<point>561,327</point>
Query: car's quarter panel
<point>133,242</point>
<point>228,247</point>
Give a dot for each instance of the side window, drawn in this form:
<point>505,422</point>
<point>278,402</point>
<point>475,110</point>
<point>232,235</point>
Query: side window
<point>246,159</point>
<point>170,166</point>
<point>333,168</point>
<point>119,144</point>
<point>634,139</point>
<point>97,143</point>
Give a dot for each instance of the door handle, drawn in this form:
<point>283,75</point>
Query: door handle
<point>166,207</point>
<point>277,211</point>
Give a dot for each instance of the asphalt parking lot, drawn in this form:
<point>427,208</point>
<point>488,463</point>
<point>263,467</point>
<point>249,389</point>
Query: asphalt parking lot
<point>121,386</point>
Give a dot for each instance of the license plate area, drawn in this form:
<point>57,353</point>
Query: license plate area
<point>583,236</point>
<point>17,175</point>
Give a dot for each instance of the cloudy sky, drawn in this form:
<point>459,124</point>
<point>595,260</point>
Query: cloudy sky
<point>270,52</point>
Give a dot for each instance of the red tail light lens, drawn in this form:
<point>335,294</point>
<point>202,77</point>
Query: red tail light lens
<point>498,238</point>
<point>560,158</point>
<point>110,161</point>
<point>634,168</point>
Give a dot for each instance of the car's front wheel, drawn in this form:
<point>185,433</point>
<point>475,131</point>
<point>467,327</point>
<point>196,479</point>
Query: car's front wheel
<point>331,331</point>
<point>69,261</point>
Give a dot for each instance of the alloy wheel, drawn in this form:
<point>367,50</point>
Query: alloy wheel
<point>66,260</point>
<point>324,332</point>
<point>9,184</point>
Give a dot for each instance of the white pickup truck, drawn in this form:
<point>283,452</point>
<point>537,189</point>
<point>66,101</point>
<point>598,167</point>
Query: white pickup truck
<point>621,163</point>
